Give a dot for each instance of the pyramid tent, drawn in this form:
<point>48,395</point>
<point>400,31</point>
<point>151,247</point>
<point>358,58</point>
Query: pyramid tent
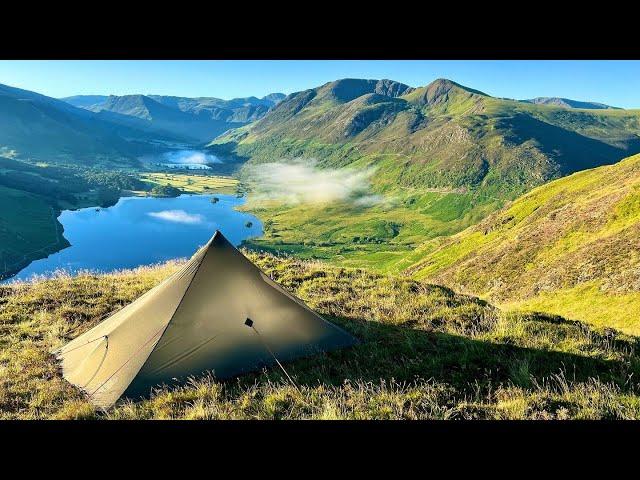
<point>218,313</point>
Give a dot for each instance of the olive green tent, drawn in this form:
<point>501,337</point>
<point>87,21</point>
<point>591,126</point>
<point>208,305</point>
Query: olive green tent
<point>218,313</point>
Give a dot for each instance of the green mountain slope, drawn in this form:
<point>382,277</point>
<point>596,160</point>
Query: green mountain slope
<point>570,247</point>
<point>444,156</point>
<point>442,135</point>
<point>20,241</point>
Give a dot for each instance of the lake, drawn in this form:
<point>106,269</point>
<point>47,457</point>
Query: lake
<point>182,159</point>
<point>142,231</point>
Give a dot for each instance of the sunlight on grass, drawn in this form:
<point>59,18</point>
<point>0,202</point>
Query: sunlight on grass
<point>425,353</point>
<point>193,183</point>
<point>590,304</point>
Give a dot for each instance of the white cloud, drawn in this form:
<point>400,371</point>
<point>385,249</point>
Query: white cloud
<point>303,182</point>
<point>178,216</point>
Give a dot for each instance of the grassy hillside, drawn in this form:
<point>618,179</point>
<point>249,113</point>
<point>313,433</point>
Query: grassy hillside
<point>382,236</point>
<point>444,156</point>
<point>426,352</point>
<point>569,247</point>
<point>441,135</point>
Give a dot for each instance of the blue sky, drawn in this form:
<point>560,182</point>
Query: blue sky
<point>613,82</point>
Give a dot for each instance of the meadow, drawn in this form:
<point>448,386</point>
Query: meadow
<point>425,353</point>
<point>192,183</point>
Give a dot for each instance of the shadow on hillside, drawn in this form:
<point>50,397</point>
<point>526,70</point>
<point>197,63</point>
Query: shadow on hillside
<point>576,152</point>
<point>401,353</point>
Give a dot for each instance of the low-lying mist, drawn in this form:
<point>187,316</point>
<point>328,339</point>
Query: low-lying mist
<point>304,182</point>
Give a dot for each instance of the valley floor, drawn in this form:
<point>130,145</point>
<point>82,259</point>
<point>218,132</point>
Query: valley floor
<point>426,353</point>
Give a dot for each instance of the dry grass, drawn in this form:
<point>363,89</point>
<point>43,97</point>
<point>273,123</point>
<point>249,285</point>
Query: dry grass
<point>426,352</point>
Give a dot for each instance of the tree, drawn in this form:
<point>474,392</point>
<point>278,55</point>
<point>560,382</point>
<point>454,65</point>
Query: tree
<point>165,191</point>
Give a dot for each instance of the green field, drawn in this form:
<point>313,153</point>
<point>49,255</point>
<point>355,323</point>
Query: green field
<point>425,353</point>
<point>193,183</point>
<point>380,237</point>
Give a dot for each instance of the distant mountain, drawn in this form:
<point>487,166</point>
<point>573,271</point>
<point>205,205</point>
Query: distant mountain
<point>86,101</point>
<point>569,247</point>
<point>274,97</point>
<point>195,119</point>
<point>568,103</point>
<point>34,126</point>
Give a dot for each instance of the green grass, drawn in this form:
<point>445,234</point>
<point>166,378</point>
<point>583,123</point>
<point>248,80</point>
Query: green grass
<point>193,183</point>
<point>426,353</point>
<point>380,237</point>
<point>587,302</point>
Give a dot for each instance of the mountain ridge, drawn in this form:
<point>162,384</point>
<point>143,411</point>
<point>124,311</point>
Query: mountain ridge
<point>569,103</point>
<point>384,115</point>
<point>43,128</point>
<point>198,119</point>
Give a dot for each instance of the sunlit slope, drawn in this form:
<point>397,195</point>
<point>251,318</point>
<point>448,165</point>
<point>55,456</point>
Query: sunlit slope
<point>570,247</point>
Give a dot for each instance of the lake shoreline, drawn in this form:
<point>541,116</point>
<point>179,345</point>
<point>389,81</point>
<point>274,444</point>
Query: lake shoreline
<point>173,221</point>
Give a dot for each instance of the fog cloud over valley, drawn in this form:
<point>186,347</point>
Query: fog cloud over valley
<point>304,182</point>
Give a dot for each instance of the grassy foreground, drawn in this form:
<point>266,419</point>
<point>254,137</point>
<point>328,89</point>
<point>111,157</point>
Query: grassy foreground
<point>427,353</point>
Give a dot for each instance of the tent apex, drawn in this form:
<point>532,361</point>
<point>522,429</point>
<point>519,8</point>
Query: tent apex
<point>219,239</point>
